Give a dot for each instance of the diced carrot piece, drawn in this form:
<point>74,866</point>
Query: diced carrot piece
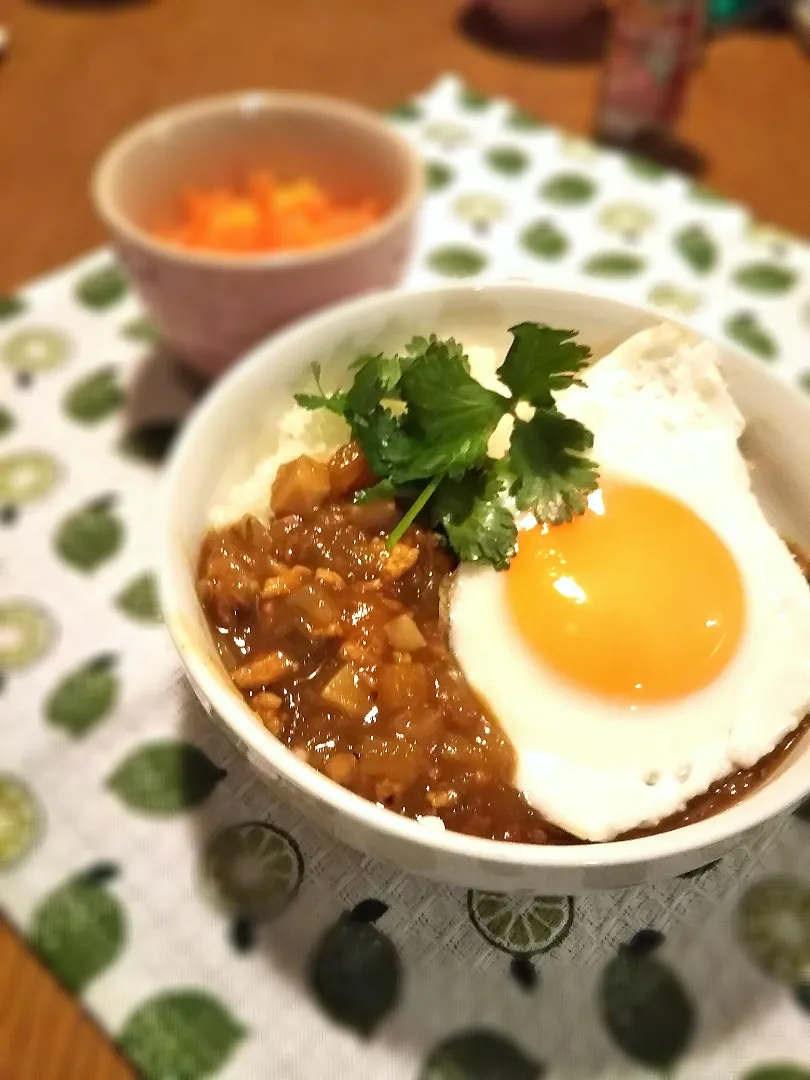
<point>263,214</point>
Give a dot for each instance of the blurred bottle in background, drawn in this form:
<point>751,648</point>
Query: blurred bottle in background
<point>652,50</point>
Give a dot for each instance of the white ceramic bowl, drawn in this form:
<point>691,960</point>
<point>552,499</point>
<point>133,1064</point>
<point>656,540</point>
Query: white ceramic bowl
<point>219,447</point>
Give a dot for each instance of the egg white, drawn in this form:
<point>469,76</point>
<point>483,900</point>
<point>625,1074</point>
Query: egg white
<point>661,415</point>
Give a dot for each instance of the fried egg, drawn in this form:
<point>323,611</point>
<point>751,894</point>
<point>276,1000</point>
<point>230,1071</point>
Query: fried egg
<point>659,641</point>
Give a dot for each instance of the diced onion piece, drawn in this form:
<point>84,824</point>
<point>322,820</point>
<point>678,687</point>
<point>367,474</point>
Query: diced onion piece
<point>266,700</point>
<point>404,635</point>
<point>391,759</point>
<point>318,604</point>
<point>330,578</point>
<point>347,692</point>
<point>402,686</point>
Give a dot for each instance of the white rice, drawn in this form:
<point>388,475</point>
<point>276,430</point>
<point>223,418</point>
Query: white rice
<point>298,432</point>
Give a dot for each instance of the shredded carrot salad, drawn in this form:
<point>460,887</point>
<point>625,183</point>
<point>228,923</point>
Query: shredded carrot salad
<point>263,215</point>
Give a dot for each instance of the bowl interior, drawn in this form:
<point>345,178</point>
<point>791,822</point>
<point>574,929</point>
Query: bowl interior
<point>347,149</point>
<point>236,427</point>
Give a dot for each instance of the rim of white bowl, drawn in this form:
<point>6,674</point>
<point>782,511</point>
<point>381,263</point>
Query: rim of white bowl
<point>160,124</point>
<point>741,817</point>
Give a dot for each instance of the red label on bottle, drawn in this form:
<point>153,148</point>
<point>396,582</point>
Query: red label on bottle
<point>651,53</point>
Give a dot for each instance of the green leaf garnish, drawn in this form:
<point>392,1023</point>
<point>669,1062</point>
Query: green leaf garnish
<point>450,415</point>
<point>376,380</point>
<point>384,490</point>
<point>419,346</point>
<point>335,403</point>
<point>480,527</point>
<point>552,476</point>
<point>541,360</point>
<point>384,441</point>
<point>424,424</point>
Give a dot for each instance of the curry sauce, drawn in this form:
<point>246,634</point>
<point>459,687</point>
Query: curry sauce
<point>341,649</point>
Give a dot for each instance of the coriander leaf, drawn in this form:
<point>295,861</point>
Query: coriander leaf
<point>479,527</point>
<point>384,490</point>
<point>552,477</point>
<point>336,403</point>
<point>387,446</point>
<point>362,360</point>
<point>541,359</point>
<point>451,457</point>
<point>376,379</point>
<point>449,417</point>
<point>418,346</point>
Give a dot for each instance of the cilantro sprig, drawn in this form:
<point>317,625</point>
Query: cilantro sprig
<point>424,424</point>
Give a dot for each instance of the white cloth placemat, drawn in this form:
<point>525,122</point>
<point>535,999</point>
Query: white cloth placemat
<point>116,791</point>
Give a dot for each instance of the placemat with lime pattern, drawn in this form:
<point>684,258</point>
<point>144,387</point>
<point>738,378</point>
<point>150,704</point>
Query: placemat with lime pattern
<point>213,931</point>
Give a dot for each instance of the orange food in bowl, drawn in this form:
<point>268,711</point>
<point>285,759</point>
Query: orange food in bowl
<point>264,215</point>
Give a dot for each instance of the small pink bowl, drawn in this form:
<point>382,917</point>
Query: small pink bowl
<point>211,307</point>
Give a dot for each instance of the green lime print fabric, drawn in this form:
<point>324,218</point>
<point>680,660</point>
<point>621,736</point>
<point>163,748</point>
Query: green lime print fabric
<point>211,929</point>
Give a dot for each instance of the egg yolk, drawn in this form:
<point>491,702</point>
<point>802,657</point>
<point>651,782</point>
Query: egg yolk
<point>637,599</point>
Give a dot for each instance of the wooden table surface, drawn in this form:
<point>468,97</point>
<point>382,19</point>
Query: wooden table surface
<point>76,73</point>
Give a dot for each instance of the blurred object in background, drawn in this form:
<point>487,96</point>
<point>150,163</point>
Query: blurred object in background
<point>537,18</point>
<point>723,13</point>
<point>800,14</point>
<point>213,302</point>
<point>652,50</point>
